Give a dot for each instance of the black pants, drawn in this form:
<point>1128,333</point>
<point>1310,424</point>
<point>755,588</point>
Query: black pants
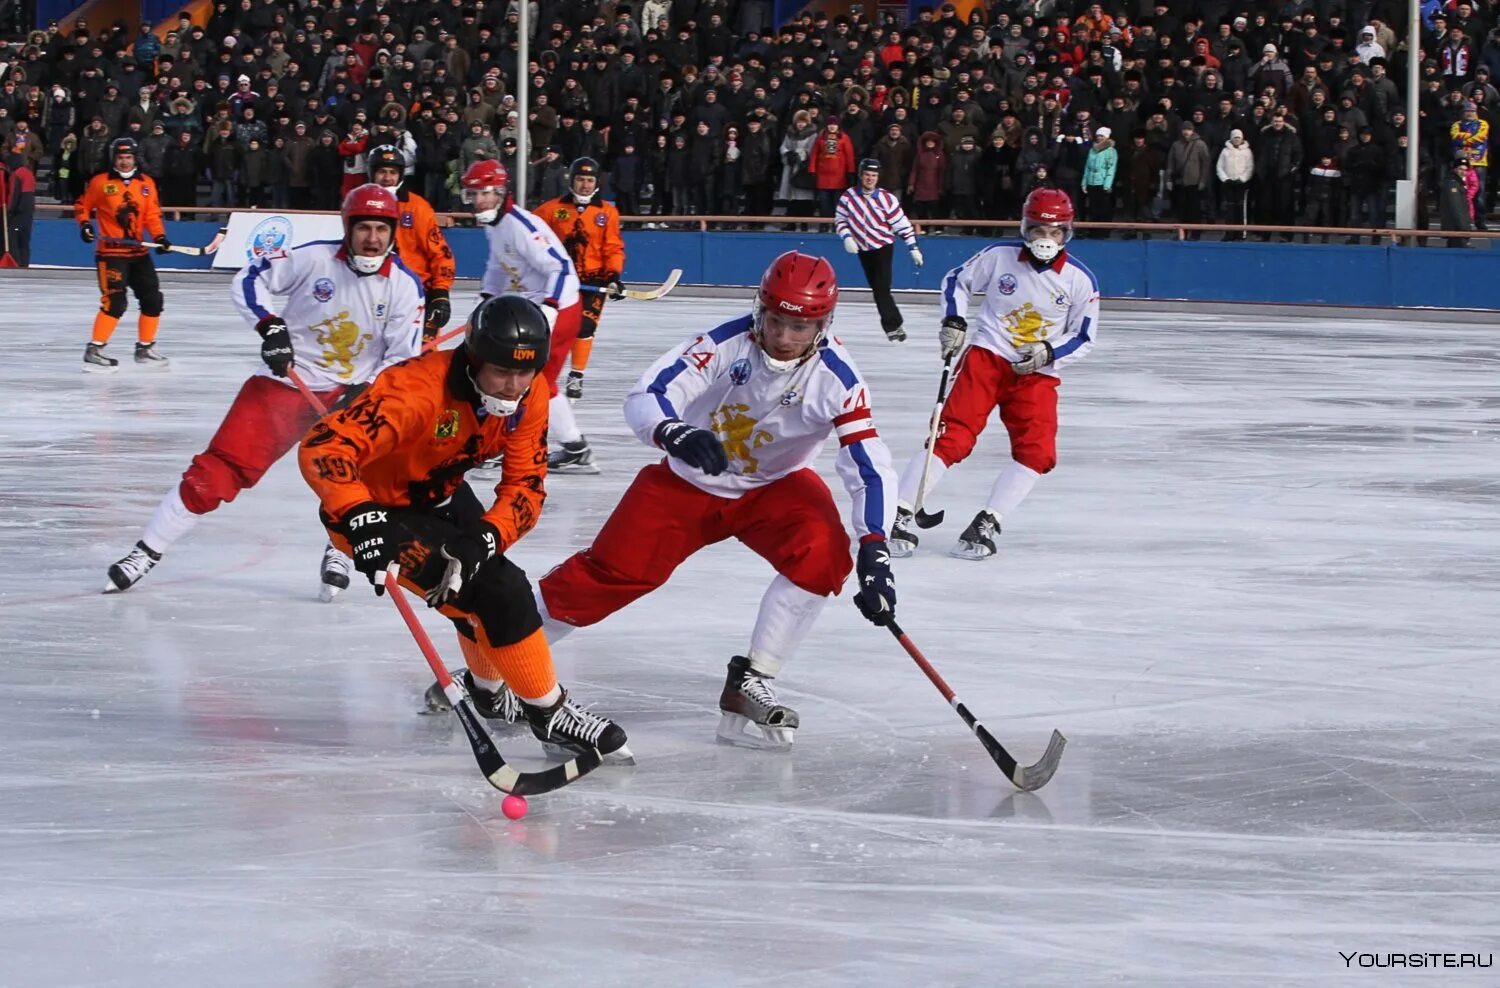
<point>877,265</point>
<point>138,274</point>
<point>20,235</point>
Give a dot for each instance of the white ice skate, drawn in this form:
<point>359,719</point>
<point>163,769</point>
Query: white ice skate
<point>751,716</point>
<point>333,575</point>
<point>128,571</point>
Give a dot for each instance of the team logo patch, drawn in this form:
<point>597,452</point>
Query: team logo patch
<point>601,220</point>
<point>380,310</point>
<point>560,214</point>
<point>1007,284</point>
<point>1059,300</point>
<point>323,289</point>
<point>447,425</point>
<point>789,398</point>
<point>271,234</point>
<point>407,219</point>
<point>739,371</point>
<point>111,189</point>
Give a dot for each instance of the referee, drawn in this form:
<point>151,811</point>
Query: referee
<point>868,220</point>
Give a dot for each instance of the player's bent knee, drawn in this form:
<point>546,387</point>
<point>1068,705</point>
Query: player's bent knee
<point>822,565</point>
<point>151,304</point>
<point>1040,460</point>
<point>114,304</point>
<point>504,604</point>
<point>208,483</point>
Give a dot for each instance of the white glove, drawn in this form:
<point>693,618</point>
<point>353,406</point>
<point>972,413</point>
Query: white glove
<point>951,336</point>
<point>1034,356</point>
<point>850,245</point>
<point>550,313</point>
<point>916,256</point>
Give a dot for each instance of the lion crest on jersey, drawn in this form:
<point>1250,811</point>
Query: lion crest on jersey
<point>1026,325</point>
<point>342,342</point>
<point>740,435</point>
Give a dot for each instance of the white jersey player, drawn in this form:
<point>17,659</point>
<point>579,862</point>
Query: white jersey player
<point>742,412</point>
<point>350,309</point>
<point>1040,313</point>
<point>526,258</point>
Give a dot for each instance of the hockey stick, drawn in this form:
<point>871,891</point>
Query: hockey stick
<point>923,519</point>
<point>643,294</point>
<point>212,246</point>
<point>1025,777</point>
<point>500,775</point>
<point>442,338</point>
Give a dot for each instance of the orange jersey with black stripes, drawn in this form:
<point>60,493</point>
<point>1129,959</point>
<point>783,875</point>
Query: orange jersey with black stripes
<point>414,433</point>
<point>421,244</point>
<point>126,208</point>
<point>590,233</point>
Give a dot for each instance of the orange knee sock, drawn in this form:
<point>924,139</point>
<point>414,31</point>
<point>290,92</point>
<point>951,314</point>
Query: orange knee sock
<point>104,327</point>
<point>526,666</point>
<point>580,356</point>
<point>147,331</point>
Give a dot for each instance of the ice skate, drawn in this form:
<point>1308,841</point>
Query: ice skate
<point>502,705</point>
<point>978,540</point>
<point>574,388</point>
<point>896,334</point>
<point>489,468</point>
<point>748,701</point>
<point>95,362</point>
<point>566,729</point>
<point>128,572</point>
<point>903,541</point>
<point>574,457</point>
<point>148,358</point>
<point>333,574</point>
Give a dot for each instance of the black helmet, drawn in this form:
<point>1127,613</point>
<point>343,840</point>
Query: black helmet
<point>583,166</point>
<point>508,331</point>
<point>386,156</point>
<point>123,145</point>
<point>870,165</point>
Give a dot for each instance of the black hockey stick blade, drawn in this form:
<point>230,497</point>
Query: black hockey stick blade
<point>1027,778</point>
<point>924,520</point>
<point>504,776</point>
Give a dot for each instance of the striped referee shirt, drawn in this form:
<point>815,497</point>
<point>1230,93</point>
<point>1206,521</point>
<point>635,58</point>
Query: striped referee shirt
<point>872,219</point>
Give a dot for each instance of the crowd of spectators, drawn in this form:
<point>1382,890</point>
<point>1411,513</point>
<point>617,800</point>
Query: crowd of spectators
<point>1211,110</point>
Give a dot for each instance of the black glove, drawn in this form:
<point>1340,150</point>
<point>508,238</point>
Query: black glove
<point>876,598</point>
<point>615,288</point>
<point>465,553</point>
<point>275,344</point>
<point>694,446</point>
<point>373,541</point>
<point>439,310</point>
<point>163,244</point>
<point>86,233</point>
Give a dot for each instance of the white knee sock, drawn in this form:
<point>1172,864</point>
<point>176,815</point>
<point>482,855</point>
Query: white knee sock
<point>554,629</point>
<point>1011,488</point>
<point>170,522</point>
<point>911,478</point>
<point>560,420</point>
<point>787,613</point>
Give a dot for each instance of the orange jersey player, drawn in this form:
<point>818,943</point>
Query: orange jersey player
<point>124,202</point>
<point>419,239</point>
<point>589,228</point>
<point>389,471</point>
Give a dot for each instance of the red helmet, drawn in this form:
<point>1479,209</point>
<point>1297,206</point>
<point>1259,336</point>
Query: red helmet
<point>369,202</point>
<point>1046,207</point>
<point>486,173</point>
<point>798,288</point>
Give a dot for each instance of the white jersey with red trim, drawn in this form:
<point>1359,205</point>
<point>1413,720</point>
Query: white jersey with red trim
<point>526,258</point>
<point>345,327</point>
<point>770,424</point>
<point>1026,301</point>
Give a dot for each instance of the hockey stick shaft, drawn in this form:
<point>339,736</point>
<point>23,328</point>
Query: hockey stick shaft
<point>174,249</point>
<point>1024,777</point>
<point>312,398</point>
<point>643,294</point>
<point>932,434</point>
<point>501,775</point>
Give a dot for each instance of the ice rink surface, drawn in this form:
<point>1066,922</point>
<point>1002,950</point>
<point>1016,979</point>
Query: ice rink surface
<point>1258,595</point>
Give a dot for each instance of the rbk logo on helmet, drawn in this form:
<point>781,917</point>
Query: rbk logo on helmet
<point>791,306</point>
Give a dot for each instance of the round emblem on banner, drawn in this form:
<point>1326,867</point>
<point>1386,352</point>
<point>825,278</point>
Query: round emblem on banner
<point>323,289</point>
<point>1007,284</point>
<point>271,234</point>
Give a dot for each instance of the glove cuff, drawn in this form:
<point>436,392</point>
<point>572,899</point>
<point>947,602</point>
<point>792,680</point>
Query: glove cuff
<point>264,326</point>
<point>657,434</point>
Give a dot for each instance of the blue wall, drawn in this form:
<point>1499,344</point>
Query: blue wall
<point>1162,269</point>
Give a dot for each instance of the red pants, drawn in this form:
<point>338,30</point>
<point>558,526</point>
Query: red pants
<point>791,523</point>
<point>564,332</point>
<point>267,419</point>
<point>1027,403</point>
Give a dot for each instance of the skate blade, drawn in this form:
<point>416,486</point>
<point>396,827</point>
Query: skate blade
<point>110,586</point>
<point>578,468</point>
<point>154,365</point>
<point>740,731</point>
<point>900,549</point>
<point>96,369</point>
<point>972,553</point>
<point>327,591</point>
<point>620,756</point>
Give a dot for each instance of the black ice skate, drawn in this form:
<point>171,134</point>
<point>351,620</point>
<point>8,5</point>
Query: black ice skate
<point>574,388</point>
<point>566,729</point>
<point>978,540</point>
<point>147,357</point>
<point>94,360</point>
<point>333,574</point>
<point>502,705</point>
<point>903,541</point>
<point>128,572</point>
<point>574,457</point>
<point>749,701</point>
<point>896,334</point>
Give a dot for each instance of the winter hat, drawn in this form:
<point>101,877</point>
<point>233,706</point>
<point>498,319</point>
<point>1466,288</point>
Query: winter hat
<point>1102,133</point>
<point>1469,106</point>
<point>1236,133</point>
<point>1269,48</point>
